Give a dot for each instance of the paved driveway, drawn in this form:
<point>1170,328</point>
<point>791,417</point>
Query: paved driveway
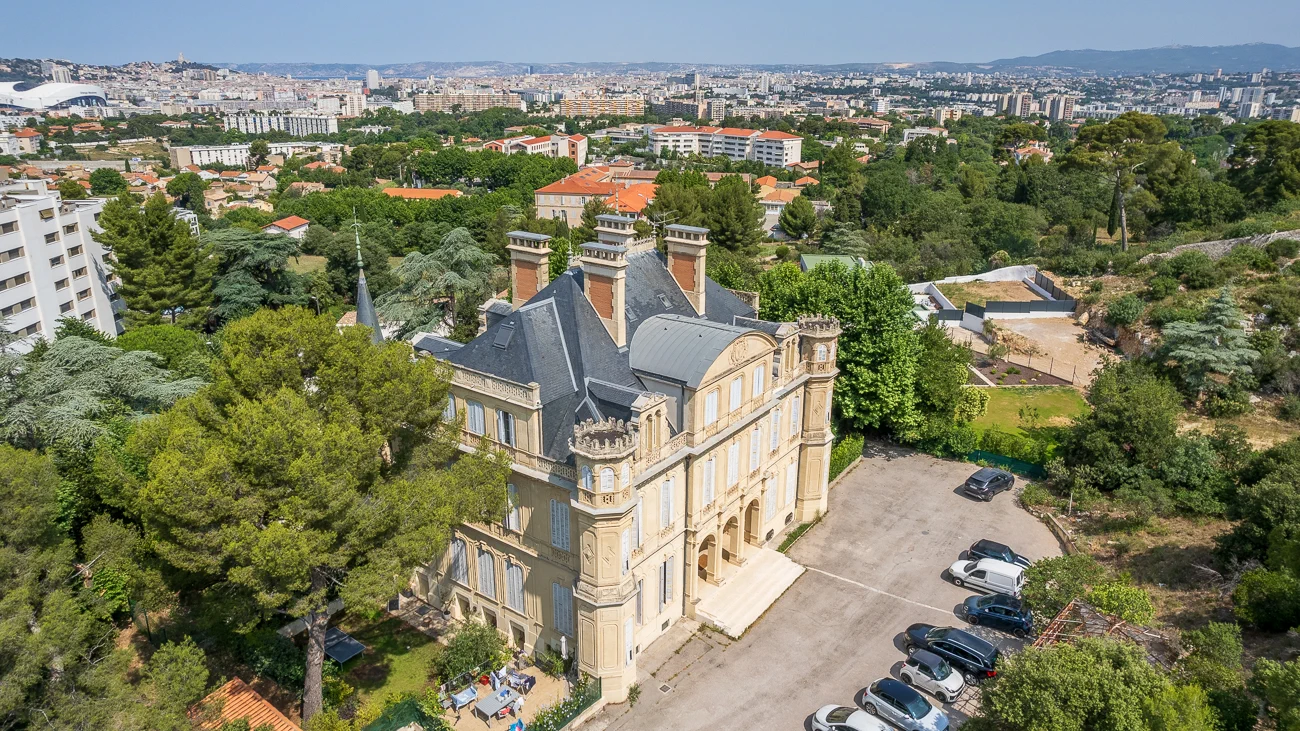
<point>875,566</point>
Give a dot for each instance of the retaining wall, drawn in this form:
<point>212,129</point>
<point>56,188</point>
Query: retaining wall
<point>1220,249</point>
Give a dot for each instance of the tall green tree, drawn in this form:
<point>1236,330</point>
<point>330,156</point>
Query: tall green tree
<point>107,181</point>
<point>316,466</point>
<point>1278,685</point>
<point>258,150</point>
<point>798,219</point>
<point>71,190</point>
<point>166,274</point>
<point>253,271</point>
<point>1116,150</point>
<point>586,232</point>
<point>1265,167</point>
<point>734,217</point>
<point>1214,346</point>
<point>188,189</point>
<point>428,288</point>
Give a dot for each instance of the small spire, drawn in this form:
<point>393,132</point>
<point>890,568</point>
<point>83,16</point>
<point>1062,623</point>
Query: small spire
<point>366,314</point>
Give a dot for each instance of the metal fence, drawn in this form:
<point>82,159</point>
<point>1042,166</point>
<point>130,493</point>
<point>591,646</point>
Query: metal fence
<point>1046,364</point>
<point>1010,464</point>
<point>1042,280</point>
<point>1024,307</point>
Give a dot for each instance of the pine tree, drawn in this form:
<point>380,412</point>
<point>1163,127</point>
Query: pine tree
<point>735,218</point>
<point>798,218</point>
<point>1214,346</point>
<point>166,274</point>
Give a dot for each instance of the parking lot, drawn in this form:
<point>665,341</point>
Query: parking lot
<point>875,565</point>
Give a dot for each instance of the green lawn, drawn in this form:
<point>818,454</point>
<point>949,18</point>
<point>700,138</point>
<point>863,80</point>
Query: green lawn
<point>397,658</point>
<point>1056,406</point>
<point>309,263</point>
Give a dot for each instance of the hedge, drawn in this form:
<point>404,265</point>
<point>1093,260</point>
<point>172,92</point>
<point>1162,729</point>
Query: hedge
<point>844,453</point>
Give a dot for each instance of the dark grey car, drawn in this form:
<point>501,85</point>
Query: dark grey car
<point>987,482</point>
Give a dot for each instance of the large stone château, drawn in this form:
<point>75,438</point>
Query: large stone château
<point>660,434</point>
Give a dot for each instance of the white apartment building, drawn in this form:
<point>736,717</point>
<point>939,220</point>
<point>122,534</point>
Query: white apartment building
<point>467,101</point>
<point>354,104</point>
<point>50,266</point>
<point>298,125</point>
<point>770,147</point>
<point>573,147</point>
<point>237,155</point>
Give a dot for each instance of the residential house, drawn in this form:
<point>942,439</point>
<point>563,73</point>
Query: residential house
<point>295,227</point>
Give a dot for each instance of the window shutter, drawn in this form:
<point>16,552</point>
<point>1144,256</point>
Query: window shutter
<point>607,479</point>
<point>794,417</point>
<point>487,574</point>
<point>755,438</point>
<point>459,562</point>
<point>791,482</point>
<point>775,428</point>
<point>449,411</point>
<point>757,389</point>
<point>637,522</point>
<point>512,514</point>
<point>668,580</point>
<point>629,641</point>
<point>736,385</point>
<point>515,586</point>
<point>626,551</point>
<point>666,505</point>
<point>559,525</point>
<point>733,464</point>
<point>710,475</point>
<point>769,500</point>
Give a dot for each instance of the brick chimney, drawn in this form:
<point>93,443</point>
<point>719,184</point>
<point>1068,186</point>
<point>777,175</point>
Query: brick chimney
<point>686,246</point>
<point>604,273</point>
<point>530,267</point>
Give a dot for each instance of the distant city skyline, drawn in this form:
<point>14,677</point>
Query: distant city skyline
<point>720,32</point>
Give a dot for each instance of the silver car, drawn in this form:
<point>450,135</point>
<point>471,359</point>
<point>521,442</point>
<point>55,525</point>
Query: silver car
<point>903,707</point>
<point>845,718</point>
<point>933,674</point>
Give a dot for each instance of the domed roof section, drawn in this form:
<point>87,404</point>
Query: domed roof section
<point>22,95</point>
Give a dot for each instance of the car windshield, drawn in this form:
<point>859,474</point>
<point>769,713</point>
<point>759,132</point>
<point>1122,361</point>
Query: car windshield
<point>942,670</point>
<point>970,566</point>
<point>917,707</point>
<point>840,715</point>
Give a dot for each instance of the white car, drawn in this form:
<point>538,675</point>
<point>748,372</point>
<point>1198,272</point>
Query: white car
<point>845,718</point>
<point>931,673</point>
<point>990,574</point>
<point>903,707</point>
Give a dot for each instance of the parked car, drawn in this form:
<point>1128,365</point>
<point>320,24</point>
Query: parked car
<point>1000,611</point>
<point>984,548</point>
<point>975,657</point>
<point>903,707</point>
<point>987,482</point>
<point>846,718</point>
<point>989,573</point>
<point>931,673</point>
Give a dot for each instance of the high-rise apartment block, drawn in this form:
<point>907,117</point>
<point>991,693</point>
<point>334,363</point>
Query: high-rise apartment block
<point>467,101</point>
<point>770,147</point>
<point>1060,108</point>
<point>296,125</point>
<point>50,266</point>
<point>598,106</point>
<point>373,80</point>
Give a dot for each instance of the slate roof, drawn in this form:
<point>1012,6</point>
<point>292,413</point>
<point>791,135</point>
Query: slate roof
<point>681,348</point>
<point>557,341</point>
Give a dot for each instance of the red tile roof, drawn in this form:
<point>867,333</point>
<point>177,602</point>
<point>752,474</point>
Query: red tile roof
<point>633,199</point>
<point>767,180</point>
<point>288,224</point>
<point>240,702</point>
<point>27,132</point>
<point>412,194</point>
<point>772,134</point>
<point>807,180</point>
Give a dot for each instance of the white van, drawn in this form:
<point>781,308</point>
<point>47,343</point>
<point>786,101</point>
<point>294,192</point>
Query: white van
<point>990,574</point>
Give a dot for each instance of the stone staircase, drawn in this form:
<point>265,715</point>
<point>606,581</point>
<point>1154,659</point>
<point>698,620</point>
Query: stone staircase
<point>737,604</point>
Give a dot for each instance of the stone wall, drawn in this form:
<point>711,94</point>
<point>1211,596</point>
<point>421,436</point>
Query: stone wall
<point>1220,249</point>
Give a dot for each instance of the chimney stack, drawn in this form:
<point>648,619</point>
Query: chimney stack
<point>686,248</point>
<point>604,273</point>
<point>530,265</point>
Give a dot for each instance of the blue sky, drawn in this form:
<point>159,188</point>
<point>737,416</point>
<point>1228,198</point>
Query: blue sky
<point>689,31</point>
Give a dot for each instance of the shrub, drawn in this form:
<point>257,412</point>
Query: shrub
<point>266,652</point>
<point>849,449</point>
<point>1194,268</point>
<point>782,253</point>
<point>1025,449</point>
<point>1052,583</point>
<point>1013,370</point>
<point>1124,311</point>
<point>473,646</point>
<point>551,663</point>
<point>1129,603</point>
<point>1269,600</point>
<point>1290,408</point>
<point>1095,286</point>
<point>1161,287</point>
<point>1035,495</point>
<point>1283,248</point>
<point>1251,257</point>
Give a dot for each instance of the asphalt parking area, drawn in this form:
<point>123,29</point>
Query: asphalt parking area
<point>875,565</point>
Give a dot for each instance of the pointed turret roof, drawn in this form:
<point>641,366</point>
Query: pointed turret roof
<point>366,314</point>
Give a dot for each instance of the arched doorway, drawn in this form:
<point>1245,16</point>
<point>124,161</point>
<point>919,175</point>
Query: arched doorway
<point>753,523</point>
<point>731,540</point>
<point>705,563</point>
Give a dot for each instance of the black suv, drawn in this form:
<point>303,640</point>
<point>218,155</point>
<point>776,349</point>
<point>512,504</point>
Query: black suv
<point>988,482</point>
<point>977,658</point>
<point>985,548</point>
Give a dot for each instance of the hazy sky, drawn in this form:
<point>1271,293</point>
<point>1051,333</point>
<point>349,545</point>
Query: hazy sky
<point>690,31</point>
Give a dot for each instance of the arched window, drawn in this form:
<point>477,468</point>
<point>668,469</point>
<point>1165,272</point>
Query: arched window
<point>586,478</point>
<point>607,479</point>
<point>821,353</point>
<point>459,562</point>
<point>756,388</point>
<point>515,586</point>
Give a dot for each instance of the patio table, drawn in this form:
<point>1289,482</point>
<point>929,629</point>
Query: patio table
<point>491,705</point>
